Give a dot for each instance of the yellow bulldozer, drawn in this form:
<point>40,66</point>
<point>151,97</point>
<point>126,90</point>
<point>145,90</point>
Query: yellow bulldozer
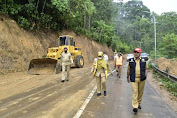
<point>51,62</point>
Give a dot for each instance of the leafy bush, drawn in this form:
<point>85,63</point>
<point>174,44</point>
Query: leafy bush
<point>23,22</point>
<point>170,85</point>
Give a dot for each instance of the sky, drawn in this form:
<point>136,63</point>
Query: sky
<point>159,6</point>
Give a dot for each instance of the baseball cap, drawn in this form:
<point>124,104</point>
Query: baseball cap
<point>137,50</point>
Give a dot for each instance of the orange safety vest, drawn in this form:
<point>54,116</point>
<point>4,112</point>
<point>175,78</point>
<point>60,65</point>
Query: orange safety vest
<point>119,60</point>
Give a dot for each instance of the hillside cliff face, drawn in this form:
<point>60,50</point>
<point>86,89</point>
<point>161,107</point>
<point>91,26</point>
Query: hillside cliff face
<point>18,47</point>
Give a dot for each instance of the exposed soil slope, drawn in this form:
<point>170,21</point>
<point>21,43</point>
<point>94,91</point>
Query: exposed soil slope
<point>18,47</point>
<point>163,63</point>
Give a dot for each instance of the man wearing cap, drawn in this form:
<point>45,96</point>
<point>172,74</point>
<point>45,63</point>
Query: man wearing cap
<point>100,73</point>
<point>137,73</point>
<point>66,61</point>
<point>118,64</point>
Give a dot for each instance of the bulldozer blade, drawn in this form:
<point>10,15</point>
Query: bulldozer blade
<point>43,66</point>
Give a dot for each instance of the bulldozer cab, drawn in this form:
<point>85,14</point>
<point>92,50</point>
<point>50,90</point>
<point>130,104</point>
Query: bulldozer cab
<point>68,41</point>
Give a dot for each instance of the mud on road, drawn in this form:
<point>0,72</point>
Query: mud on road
<point>24,95</point>
<point>44,96</point>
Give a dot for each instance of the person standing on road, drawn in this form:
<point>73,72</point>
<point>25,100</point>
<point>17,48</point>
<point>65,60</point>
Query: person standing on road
<point>106,58</point>
<point>118,64</point>
<point>66,61</point>
<point>137,73</point>
<point>115,55</point>
<point>100,73</point>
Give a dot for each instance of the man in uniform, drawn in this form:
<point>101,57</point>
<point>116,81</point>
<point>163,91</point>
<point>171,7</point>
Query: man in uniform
<point>100,73</point>
<point>66,61</point>
<point>137,73</point>
<point>118,64</point>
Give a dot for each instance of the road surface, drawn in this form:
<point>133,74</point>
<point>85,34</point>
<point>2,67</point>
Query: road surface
<point>117,104</point>
<point>44,96</point>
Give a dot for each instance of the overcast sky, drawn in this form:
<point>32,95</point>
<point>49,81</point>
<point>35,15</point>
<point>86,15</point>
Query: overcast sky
<point>159,6</point>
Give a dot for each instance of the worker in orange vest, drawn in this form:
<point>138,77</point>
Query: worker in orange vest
<point>118,64</point>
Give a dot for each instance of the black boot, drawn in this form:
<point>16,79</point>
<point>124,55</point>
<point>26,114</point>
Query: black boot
<point>105,93</point>
<point>62,80</point>
<point>98,94</point>
<point>139,107</point>
<point>135,110</point>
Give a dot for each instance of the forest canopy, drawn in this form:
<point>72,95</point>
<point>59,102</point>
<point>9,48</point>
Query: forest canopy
<point>123,26</point>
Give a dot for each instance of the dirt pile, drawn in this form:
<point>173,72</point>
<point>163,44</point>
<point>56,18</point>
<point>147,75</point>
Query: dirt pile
<point>163,63</point>
<point>18,47</point>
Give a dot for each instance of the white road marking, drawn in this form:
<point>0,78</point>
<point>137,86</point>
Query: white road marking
<point>84,105</point>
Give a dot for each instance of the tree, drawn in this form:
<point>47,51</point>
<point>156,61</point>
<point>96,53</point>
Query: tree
<point>169,45</point>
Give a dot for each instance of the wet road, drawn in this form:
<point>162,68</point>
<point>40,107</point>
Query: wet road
<point>62,100</point>
<point>117,104</point>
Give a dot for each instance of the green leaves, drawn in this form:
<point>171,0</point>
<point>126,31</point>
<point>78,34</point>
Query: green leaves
<point>61,5</point>
<point>23,22</point>
<point>169,45</point>
<point>170,85</point>
<point>119,45</point>
<point>136,28</point>
<point>121,25</point>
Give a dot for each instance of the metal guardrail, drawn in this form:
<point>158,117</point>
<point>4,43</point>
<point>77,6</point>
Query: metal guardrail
<point>165,74</point>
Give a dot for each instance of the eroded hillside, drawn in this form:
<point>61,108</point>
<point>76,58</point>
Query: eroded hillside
<point>18,47</point>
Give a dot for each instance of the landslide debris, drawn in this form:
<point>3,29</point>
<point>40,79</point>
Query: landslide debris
<point>163,63</point>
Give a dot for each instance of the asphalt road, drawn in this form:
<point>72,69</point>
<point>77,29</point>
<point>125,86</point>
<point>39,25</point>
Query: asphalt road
<point>62,100</point>
<point>117,104</point>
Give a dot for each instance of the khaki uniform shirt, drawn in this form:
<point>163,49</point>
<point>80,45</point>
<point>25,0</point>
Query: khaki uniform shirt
<point>66,59</point>
<point>102,72</point>
<point>137,70</point>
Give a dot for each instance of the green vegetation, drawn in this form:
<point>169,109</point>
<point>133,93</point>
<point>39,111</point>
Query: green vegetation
<point>171,86</point>
<point>123,26</point>
<point>168,46</point>
<point>135,28</point>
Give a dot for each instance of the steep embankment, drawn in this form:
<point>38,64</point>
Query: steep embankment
<point>18,47</point>
<point>163,63</point>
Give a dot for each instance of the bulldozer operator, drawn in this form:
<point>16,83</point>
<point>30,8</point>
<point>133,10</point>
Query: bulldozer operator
<point>66,61</point>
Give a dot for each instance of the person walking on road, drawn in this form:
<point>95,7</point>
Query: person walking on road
<point>118,64</point>
<point>66,61</point>
<point>100,73</point>
<point>137,73</point>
